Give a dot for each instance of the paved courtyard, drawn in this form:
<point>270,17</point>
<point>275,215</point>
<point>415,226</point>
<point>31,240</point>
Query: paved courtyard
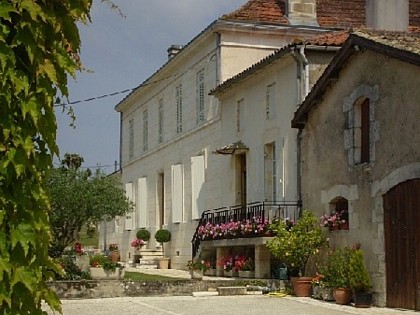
<point>188,305</point>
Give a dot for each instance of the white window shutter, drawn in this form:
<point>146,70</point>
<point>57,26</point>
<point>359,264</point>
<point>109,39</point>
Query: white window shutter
<point>142,202</point>
<point>198,202</point>
<point>129,218</point>
<point>177,193</point>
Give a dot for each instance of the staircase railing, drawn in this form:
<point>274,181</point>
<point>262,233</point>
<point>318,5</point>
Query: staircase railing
<point>268,210</point>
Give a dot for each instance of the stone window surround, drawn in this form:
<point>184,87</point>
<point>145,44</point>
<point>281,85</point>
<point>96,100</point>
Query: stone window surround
<point>349,108</point>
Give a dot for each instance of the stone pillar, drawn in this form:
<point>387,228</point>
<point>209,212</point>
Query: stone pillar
<point>220,252</point>
<point>262,262</point>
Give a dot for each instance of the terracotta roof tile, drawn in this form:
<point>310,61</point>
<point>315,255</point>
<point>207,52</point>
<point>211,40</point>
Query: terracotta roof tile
<point>341,13</point>
<point>329,39</point>
<point>262,11</point>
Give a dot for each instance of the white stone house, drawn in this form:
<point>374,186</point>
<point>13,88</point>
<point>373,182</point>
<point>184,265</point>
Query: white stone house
<point>170,126</point>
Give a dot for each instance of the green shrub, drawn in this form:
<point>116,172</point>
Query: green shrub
<point>105,262</point>
<point>294,245</point>
<point>359,275</point>
<point>143,234</point>
<point>336,270</point>
<point>71,270</point>
<point>163,236</point>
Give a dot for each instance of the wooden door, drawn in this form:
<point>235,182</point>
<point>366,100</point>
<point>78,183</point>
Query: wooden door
<point>402,234</point>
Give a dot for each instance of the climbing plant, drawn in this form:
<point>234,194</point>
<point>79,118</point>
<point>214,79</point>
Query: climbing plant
<point>39,46</point>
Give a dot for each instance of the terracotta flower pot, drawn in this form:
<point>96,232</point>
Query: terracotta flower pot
<point>343,296</point>
<point>303,287</point>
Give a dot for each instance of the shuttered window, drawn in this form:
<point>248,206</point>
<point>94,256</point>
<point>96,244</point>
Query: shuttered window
<point>198,200</point>
<point>142,202</point>
<point>129,218</point>
<point>177,193</point>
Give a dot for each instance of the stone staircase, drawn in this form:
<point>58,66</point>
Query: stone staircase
<point>149,259</point>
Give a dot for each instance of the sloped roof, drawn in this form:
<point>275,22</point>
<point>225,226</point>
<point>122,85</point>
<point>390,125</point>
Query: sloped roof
<point>330,39</point>
<point>399,45</point>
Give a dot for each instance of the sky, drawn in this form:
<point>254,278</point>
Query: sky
<point>120,53</point>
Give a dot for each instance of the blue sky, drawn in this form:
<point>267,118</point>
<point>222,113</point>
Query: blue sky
<point>120,53</point>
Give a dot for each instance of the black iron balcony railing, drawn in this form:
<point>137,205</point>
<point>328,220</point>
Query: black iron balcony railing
<point>242,221</point>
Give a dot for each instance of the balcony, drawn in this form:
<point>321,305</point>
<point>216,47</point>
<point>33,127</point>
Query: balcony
<point>248,227</point>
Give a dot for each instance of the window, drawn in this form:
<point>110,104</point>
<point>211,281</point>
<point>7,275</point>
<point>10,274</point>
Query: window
<point>145,130</point>
<point>161,130</point>
<point>270,101</point>
<point>129,218</point>
<point>142,202</point>
<point>131,138</point>
<point>362,130</point>
<point>177,193</point>
<point>340,207</point>
<point>239,115</point>
<point>178,92</point>
<point>200,97</point>
<point>198,199</point>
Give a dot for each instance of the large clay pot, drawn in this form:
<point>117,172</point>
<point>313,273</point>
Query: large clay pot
<point>303,287</point>
<point>196,274</point>
<point>163,263</point>
<point>343,296</point>
<point>115,256</point>
<point>362,299</point>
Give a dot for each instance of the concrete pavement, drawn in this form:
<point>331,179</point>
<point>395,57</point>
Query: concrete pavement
<point>188,305</point>
<point>210,304</point>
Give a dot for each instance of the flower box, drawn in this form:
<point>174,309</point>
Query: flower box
<point>246,274</point>
<point>230,273</point>
<point>210,272</point>
<point>101,274</point>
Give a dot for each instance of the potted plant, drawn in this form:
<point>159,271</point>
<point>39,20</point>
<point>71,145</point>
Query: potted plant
<point>359,279</point>
<point>245,266</point>
<point>197,267</point>
<point>163,236</point>
<point>295,245</point>
<point>337,274</point>
<point>101,267</point>
<point>143,234</point>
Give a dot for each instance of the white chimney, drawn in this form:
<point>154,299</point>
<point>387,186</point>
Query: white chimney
<point>173,50</point>
<point>302,12</point>
<point>389,15</point>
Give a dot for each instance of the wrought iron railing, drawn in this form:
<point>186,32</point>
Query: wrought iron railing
<point>267,211</point>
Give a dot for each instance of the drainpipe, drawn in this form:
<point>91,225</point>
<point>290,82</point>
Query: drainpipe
<point>302,70</point>
<point>121,131</point>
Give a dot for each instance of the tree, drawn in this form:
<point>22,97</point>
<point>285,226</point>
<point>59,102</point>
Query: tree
<point>79,199</point>
<point>39,46</point>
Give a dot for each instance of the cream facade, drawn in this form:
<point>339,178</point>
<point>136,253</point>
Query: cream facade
<point>169,128</point>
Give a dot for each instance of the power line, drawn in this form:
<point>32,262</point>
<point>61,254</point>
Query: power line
<point>95,98</point>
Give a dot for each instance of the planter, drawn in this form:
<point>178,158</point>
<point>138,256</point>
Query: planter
<point>163,263</point>
<point>230,274</point>
<point>362,299</point>
<point>327,294</point>
<point>210,272</point>
<point>246,274</point>
<point>303,287</point>
<point>344,226</point>
<point>83,262</point>
<point>343,296</point>
<point>196,274</point>
<point>334,228</point>
<point>101,274</point>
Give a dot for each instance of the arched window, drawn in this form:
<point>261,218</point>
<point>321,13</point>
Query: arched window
<point>340,207</point>
<point>361,131</point>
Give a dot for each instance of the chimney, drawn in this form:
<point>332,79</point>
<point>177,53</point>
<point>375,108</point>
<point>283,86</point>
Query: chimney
<point>302,12</point>
<point>173,50</point>
<point>388,15</point>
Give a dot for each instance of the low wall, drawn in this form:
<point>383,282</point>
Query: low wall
<point>90,289</point>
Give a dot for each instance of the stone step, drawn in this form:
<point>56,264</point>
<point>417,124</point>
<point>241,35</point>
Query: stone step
<point>232,291</point>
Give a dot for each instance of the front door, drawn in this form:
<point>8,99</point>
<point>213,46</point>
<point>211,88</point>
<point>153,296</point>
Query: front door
<point>402,255</point>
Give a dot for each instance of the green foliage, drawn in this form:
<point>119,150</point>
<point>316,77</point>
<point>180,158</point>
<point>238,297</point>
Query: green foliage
<point>162,236</point>
<point>336,270</point>
<point>71,270</point>
<point>80,199</point>
<point>295,245</point>
<point>359,275</point>
<point>105,262</point>
<point>143,234</point>
<point>39,45</point>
